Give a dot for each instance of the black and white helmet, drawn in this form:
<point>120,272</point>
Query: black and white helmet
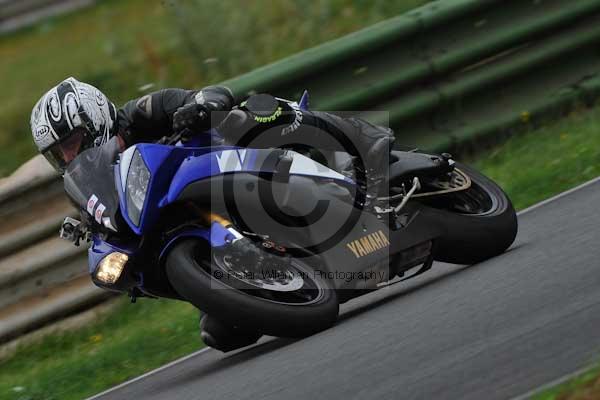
<point>71,117</point>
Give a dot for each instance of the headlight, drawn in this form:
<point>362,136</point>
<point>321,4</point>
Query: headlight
<point>137,186</point>
<point>111,267</point>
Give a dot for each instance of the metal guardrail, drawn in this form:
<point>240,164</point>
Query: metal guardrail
<point>450,73</point>
<point>42,277</point>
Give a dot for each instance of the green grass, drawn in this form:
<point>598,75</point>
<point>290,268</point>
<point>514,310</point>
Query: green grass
<point>133,339</point>
<point>136,338</point>
<point>582,387</point>
<point>548,160</point>
<point>121,46</point>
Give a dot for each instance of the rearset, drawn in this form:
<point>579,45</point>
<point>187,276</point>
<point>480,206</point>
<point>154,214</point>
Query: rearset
<point>416,185</point>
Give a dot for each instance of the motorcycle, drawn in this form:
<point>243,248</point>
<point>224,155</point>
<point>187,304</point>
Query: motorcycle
<point>271,241</point>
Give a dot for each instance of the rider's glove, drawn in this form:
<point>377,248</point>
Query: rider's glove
<point>194,117</point>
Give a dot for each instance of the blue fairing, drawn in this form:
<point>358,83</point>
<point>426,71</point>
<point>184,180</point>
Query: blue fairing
<point>303,103</point>
<point>166,164</point>
<point>162,162</point>
<point>204,166</point>
<point>217,236</point>
<point>224,160</point>
<point>173,168</point>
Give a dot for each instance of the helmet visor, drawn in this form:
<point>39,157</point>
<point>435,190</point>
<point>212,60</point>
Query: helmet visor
<point>61,154</point>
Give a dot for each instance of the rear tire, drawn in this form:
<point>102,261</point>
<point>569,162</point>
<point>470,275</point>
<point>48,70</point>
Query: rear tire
<point>190,274</point>
<point>471,237</point>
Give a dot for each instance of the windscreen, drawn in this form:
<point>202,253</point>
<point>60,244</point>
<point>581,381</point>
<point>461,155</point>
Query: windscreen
<point>90,182</point>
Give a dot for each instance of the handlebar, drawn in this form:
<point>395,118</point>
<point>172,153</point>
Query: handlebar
<point>177,136</point>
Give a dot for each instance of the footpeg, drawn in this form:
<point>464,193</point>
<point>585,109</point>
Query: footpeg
<point>416,185</point>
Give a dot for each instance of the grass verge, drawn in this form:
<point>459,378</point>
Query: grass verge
<point>133,339</point>
<point>136,338</point>
<point>545,161</point>
<point>583,387</point>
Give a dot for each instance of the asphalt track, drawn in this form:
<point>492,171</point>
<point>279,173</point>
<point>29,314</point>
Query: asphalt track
<point>494,330</point>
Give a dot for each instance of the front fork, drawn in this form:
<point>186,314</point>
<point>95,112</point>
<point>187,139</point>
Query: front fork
<point>212,218</point>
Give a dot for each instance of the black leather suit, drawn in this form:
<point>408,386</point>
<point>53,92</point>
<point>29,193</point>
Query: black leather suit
<point>260,121</point>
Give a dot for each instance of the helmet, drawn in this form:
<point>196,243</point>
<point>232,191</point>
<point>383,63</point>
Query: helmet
<point>71,117</point>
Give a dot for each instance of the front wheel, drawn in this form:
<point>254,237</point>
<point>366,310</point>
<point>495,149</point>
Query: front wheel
<point>479,222</point>
<point>295,302</point>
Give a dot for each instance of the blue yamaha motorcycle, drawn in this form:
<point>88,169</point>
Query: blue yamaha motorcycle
<point>271,241</point>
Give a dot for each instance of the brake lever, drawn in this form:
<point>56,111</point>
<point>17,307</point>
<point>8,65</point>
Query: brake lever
<point>169,140</point>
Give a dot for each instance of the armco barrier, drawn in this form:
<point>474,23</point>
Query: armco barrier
<point>449,73</point>
<point>451,70</point>
<point>42,278</point>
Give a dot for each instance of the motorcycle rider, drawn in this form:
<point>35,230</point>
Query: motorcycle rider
<point>74,116</point>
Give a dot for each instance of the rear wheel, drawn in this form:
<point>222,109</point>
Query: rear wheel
<point>479,222</point>
<point>288,300</point>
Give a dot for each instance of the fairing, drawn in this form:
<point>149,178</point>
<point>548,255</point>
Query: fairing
<point>226,160</point>
<point>172,169</point>
<point>89,183</point>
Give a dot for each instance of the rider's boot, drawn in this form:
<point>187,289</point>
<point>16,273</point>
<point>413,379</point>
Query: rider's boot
<point>370,145</point>
<point>377,168</point>
<point>224,337</point>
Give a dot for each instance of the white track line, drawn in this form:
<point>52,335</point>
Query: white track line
<point>533,207</point>
<point>154,371</point>
<point>560,195</point>
<point>553,383</point>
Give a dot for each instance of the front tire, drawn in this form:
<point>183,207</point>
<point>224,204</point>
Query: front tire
<point>479,223</point>
<point>189,271</point>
